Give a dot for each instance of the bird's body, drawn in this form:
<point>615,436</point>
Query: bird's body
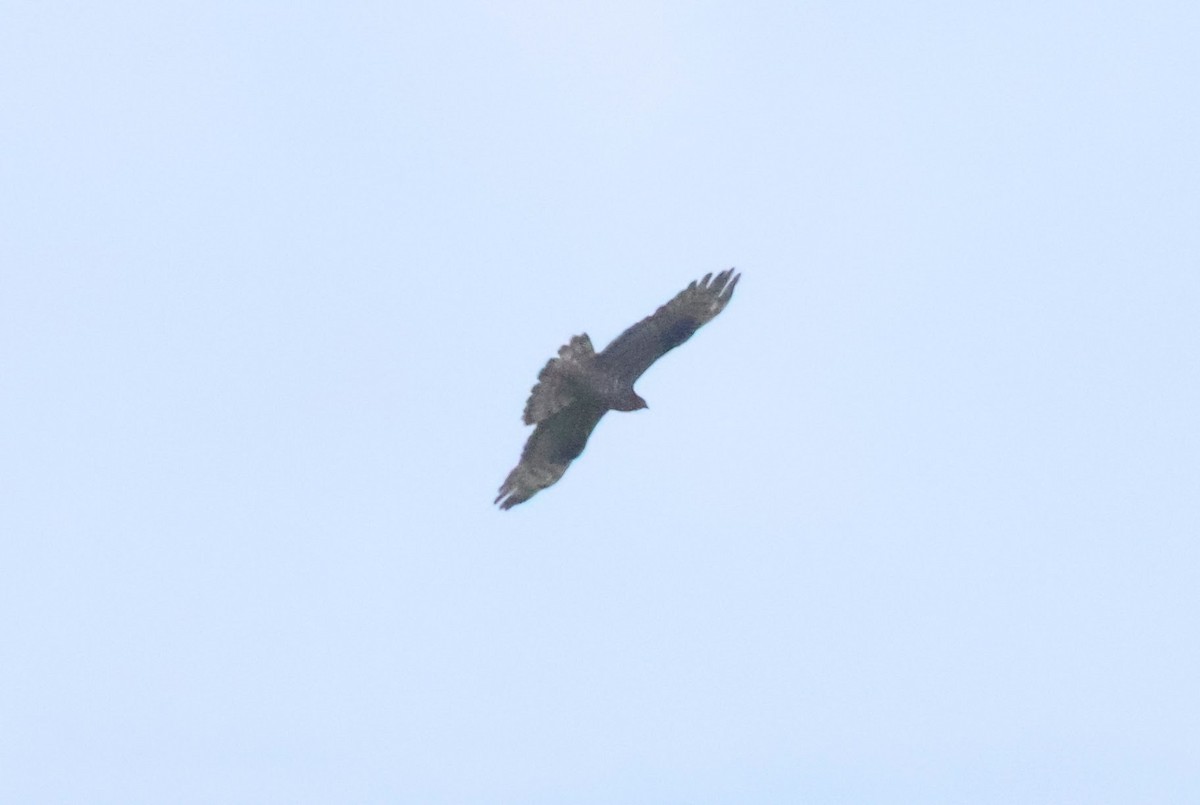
<point>578,387</point>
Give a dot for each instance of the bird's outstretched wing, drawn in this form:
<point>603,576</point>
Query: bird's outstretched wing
<point>554,444</point>
<point>631,353</point>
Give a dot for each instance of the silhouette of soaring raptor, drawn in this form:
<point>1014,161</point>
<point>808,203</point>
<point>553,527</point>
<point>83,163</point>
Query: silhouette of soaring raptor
<point>579,386</point>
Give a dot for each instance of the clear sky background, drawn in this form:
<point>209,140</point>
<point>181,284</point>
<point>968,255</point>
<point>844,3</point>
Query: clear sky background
<point>916,519</point>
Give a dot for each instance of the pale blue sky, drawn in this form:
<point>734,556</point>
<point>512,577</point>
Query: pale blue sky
<point>915,519</point>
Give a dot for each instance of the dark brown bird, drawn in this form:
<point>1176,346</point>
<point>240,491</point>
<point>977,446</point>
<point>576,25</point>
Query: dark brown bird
<point>579,386</point>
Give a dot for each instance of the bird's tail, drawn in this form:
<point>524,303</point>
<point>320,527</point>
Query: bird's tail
<point>554,390</point>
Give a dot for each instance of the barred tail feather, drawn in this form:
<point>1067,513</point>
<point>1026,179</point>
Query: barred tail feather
<point>554,391</point>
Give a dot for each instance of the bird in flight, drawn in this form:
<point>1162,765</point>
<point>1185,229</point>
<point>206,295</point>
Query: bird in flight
<point>579,386</point>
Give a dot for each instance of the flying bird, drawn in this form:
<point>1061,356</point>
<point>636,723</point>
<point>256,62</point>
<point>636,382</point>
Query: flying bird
<point>578,387</point>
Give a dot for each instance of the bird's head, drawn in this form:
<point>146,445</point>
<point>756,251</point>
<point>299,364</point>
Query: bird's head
<point>630,402</point>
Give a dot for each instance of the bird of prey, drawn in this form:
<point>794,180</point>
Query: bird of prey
<point>579,386</point>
